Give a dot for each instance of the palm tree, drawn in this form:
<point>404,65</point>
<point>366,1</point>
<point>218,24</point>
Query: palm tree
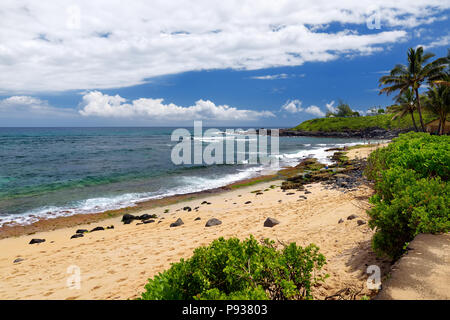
<point>406,104</point>
<point>438,101</point>
<point>413,75</point>
<point>445,79</point>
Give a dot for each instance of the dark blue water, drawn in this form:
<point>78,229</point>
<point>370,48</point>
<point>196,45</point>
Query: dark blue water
<point>48,172</point>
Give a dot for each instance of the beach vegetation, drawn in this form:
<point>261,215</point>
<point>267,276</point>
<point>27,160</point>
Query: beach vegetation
<point>244,270</point>
<point>412,191</point>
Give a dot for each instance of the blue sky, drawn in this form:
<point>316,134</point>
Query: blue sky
<point>271,66</point>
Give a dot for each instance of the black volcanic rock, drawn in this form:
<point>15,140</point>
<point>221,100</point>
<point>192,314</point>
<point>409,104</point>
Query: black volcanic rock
<point>98,229</point>
<point>271,222</point>
<point>33,241</point>
<point>367,133</point>
<point>177,223</point>
<point>127,218</point>
<point>213,222</point>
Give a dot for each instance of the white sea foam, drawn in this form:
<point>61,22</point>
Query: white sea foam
<point>190,184</point>
<point>101,204</point>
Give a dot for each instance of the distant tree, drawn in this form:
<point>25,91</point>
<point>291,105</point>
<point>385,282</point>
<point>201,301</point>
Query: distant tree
<point>373,111</point>
<point>344,110</point>
<point>380,111</point>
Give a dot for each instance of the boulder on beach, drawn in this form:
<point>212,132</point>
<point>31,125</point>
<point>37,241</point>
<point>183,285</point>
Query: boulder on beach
<point>98,229</point>
<point>81,231</point>
<point>271,222</point>
<point>248,202</point>
<point>188,209</point>
<point>18,260</point>
<point>213,222</point>
<point>77,235</point>
<point>33,241</point>
<point>352,216</point>
<point>196,219</point>
<point>127,218</point>
<point>177,223</point>
<point>360,222</point>
<point>149,221</point>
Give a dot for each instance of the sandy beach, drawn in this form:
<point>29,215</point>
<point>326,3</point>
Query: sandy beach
<point>116,263</point>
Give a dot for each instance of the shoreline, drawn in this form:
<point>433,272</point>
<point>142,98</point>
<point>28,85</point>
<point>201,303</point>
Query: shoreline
<point>116,263</point>
<point>43,224</point>
<point>48,224</point>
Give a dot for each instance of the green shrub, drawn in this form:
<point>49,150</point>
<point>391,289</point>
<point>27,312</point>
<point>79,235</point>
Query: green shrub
<point>406,208</point>
<point>234,269</point>
<point>412,190</point>
<point>427,155</point>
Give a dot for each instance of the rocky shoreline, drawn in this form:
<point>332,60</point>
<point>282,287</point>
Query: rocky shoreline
<point>366,133</point>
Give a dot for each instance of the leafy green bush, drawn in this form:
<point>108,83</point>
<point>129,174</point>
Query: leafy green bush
<point>427,155</point>
<point>412,190</point>
<point>231,269</point>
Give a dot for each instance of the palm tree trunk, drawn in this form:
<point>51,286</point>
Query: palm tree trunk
<point>419,109</point>
<point>414,121</point>
<point>443,124</point>
<point>438,132</point>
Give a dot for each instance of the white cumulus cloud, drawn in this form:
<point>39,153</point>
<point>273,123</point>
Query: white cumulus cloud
<point>59,45</point>
<point>295,106</point>
<point>440,42</point>
<point>292,106</point>
<point>95,103</point>
<point>20,106</point>
<point>315,110</point>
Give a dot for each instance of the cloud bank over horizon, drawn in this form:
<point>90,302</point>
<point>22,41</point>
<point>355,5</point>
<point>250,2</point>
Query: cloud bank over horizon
<point>98,104</point>
<point>105,44</point>
<point>95,104</point>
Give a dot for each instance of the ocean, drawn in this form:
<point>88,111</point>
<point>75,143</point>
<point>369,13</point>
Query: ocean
<point>51,172</point>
